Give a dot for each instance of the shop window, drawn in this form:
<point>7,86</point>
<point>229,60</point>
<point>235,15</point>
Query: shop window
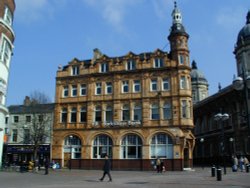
<point>161,146</point>
<point>131,147</point>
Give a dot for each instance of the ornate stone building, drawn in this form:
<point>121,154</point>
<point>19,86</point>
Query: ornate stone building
<point>199,84</point>
<point>224,138</point>
<point>135,108</point>
<point>7,37</point>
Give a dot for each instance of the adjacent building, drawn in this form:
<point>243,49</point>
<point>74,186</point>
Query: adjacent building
<point>221,138</point>
<point>7,36</point>
<point>134,108</point>
<point>29,129</point>
<point>199,84</point>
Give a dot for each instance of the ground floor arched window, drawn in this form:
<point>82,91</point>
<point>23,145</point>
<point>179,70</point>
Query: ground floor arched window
<point>102,146</point>
<point>161,146</point>
<point>131,147</point>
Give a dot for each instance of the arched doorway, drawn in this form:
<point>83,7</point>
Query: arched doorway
<point>71,150</point>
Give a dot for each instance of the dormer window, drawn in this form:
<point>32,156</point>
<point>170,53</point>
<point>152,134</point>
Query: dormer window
<point>158,63</point>
<point>75,70</point>
<point>8,16</point>
<point>130,65</point>
<point>104,67</point>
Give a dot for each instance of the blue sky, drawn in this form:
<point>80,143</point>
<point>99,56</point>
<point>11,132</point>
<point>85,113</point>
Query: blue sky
<point>50,33</point>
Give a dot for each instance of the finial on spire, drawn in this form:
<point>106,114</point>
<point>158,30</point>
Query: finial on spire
<point>176,15</point>
<point>219,86</point>
<point>175,4</point>
<point>194,65</point>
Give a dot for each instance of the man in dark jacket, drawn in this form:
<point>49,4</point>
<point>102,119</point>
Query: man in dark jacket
<point>106,169</point>
<point>46,165</point>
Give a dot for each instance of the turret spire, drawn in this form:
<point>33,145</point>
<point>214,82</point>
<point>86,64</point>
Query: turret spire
<point>176,15</point>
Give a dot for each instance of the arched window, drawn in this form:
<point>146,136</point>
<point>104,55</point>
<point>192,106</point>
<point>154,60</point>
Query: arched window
<point>109,114</point>
<point>167,111</point>
<point>83,114</point>
<point>161,146</point>
<point>64,115</point>
<point>155,112</point>
<point>131,147</point>
<point>102,146</point>
<point>125,113</point>
<point>72,145</point>
<point>137,112</point>
<point>98,114</point>
<point>73,115</point>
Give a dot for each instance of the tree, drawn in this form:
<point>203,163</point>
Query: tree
<point>38,123</point>
<point>38,97</point>
<point>38,130</point>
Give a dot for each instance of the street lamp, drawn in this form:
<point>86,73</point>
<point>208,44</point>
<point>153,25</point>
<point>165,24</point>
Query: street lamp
<point>202,152</point>
<point>243,84</point>
<point>70,142</point>
<point>231,140</point>
<point>220,118</point>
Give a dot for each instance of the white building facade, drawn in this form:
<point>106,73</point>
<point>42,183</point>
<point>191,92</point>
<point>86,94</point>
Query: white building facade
<point>7,37</point>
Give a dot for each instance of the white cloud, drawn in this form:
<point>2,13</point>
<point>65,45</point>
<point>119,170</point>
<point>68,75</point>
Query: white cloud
<point>28,11</point>
<point>113,11</point>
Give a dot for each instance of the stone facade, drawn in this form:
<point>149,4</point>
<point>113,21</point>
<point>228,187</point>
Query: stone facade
<point>135,108</point>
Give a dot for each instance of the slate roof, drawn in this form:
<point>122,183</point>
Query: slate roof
<point>36,108</point>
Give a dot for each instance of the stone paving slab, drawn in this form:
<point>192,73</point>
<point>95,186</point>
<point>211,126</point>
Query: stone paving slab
<point>65,178</point>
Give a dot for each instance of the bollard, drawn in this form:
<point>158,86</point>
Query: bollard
<point>213,171</point>
<point>218,174</point>
<point>247,168</point>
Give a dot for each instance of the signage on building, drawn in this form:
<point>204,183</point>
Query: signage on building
<point>119,123</point>
<point>27,149</point>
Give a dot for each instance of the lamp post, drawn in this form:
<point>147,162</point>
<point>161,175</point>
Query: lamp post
<point>70,142</point>
<point>243,84</point>
<point>231,140</point>
<point>202,152</point>
<point>220,118</point>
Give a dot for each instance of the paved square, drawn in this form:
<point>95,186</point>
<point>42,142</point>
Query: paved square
<point>65,178</point>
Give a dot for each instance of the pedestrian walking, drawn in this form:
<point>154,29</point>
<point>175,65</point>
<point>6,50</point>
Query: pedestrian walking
<point>246,162</point>
<point>46,165</point>
<point>106,169</point>
<point>242,167</point>
<point>158,165</point>
<point>235,163</point>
